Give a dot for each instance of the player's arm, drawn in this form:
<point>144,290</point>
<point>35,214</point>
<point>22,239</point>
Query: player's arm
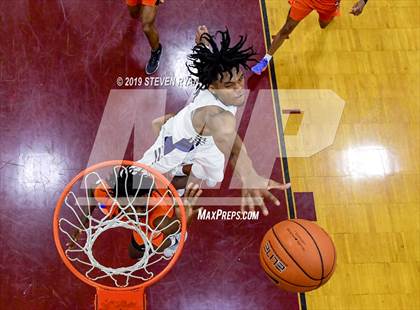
<point>358,7</point>
<point>222,127</point>
<point>255,187</point>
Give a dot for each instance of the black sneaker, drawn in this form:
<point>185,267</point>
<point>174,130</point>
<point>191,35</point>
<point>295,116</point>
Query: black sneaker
<point>153,63</point>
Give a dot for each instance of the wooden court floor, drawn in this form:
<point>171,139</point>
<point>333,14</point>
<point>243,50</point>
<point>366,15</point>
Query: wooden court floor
<point>366,183</point>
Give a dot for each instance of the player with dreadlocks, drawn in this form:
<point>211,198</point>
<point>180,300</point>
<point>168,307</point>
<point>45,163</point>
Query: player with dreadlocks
<point>199,137</point>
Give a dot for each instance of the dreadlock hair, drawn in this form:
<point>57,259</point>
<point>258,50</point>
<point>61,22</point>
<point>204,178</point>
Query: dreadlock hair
<point>209,61</point>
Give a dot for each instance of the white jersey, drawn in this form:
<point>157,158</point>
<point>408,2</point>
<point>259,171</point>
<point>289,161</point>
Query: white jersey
<point>182,126</point>
<point>179,143</point>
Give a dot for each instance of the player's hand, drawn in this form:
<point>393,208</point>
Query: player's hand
<point>255,189</point>
<point>192,192</point>
<point>200,31</point>
<point>357,8</point>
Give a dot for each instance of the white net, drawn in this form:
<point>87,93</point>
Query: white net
<point>130,206</point>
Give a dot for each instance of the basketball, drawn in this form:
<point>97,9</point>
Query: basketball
<point>297,255</point>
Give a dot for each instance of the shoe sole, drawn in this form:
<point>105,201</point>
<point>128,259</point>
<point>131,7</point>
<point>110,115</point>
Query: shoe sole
<point>150,73</point>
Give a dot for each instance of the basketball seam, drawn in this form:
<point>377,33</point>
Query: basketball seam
<point>281,244</point>
<point>332,269</point>
<point>270,276</point>
<point>319,251</point>
<point>291,283</point>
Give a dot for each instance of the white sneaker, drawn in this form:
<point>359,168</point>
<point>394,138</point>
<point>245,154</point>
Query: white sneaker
<point>170,250</point>
<point>181,192</point>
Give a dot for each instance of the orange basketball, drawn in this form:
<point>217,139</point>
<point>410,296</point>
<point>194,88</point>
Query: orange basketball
<point>298,255</point>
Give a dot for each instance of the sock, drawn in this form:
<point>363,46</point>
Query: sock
<point>156,50</point>
<point>268,57</point>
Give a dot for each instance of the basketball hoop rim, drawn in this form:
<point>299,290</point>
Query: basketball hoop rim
<point>56,230</point>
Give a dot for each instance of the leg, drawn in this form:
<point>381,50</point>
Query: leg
<point>298,11</point>
<point>327,16</point>
<point>323,24</point>
<point>160,219</point>
<point>180,182</point>
<point>134,11</point>
<point>169,225</point>
<point>133,8</point>
<point>167,241</point>
<point>283,34</point>
<point>148,17</point>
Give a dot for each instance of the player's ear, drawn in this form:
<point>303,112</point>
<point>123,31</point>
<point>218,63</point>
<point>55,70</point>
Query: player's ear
<point>212,89</point>
<point>214,86</point>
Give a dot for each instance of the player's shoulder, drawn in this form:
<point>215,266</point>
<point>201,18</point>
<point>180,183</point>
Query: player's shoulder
<point>223,121</point>
<point>223,115</point>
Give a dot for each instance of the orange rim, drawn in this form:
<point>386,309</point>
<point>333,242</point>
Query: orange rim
<point>56,230</point>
